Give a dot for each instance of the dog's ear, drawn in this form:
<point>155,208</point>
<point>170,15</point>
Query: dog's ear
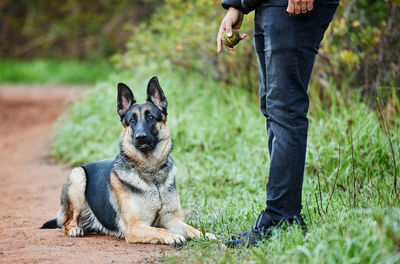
<point>125,99</point>
<point>156,96</point>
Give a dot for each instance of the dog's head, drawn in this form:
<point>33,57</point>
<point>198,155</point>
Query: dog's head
<point>144,124</point>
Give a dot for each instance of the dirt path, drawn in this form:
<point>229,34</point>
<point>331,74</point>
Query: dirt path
<point>30,185</point>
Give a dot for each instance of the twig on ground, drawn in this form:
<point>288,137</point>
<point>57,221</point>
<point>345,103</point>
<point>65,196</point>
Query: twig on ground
<point>334,184</point>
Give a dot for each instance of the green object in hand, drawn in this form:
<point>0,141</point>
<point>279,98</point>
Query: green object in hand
<point>233,40</point>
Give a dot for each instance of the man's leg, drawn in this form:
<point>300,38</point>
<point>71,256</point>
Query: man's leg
<point>286,48</point>
<point>289,50</point>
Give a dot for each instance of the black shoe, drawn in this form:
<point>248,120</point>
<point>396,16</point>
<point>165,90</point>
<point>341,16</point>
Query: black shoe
<point>264,221</point>
<point>299,220</point>
<point>263,230</point>
<point>252,237</point>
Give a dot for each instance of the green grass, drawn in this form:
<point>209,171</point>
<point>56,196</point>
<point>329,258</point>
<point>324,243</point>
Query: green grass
<point>54,71</point>
<point>221,155</point>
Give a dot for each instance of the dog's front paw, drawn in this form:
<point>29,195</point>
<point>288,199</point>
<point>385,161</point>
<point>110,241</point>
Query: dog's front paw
<point>176,240</point>
<point>75,232</point>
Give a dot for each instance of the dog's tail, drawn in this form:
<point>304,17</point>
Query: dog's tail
<point>51,224</point>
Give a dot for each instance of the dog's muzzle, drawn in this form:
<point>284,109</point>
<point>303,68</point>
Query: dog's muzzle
<point>142,142</point>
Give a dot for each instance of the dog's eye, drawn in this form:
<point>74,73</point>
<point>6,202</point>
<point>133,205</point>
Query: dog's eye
<point>151,118</point>
<point>133,121</point>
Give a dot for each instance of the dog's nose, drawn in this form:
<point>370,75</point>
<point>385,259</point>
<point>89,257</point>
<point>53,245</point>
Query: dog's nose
<point>140,136</point>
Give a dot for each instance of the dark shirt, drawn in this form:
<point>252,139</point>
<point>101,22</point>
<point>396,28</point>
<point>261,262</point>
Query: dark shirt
<point>247,6</point>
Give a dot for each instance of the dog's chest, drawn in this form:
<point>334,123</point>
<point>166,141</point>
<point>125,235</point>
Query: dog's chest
<point>150,197</point>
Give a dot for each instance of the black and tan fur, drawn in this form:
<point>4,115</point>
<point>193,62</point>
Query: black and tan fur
<point>134,195</point>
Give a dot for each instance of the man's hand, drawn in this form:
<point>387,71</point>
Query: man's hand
<point>232,19</point>
<point>296,7</point>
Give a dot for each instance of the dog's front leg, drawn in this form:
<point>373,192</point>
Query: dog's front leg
<point>173,221</point>
<point>139,233</point>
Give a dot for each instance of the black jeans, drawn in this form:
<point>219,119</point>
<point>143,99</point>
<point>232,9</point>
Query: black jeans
<point>286,48</point>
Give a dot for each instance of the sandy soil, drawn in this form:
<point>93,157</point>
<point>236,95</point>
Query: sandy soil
<point>30,185</point>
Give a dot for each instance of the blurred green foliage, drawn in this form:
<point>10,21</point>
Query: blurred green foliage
<point>55,71</point>
<point>184,33</point>
<point>72,28</point>
<point>360,50</point>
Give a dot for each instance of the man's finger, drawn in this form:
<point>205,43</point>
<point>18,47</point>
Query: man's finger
<point>310,6</point>
<point>219,39</point>
<point>228,26</point>
<point>290,8</point>
<point>303,7</point>
<point>297,8</point>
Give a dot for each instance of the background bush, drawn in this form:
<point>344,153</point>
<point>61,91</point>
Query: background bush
<point>157,41</point>
<point>68,29</point>
<point>360,50</point>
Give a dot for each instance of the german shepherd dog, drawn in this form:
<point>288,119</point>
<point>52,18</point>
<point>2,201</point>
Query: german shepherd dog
<point>134,195</point>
